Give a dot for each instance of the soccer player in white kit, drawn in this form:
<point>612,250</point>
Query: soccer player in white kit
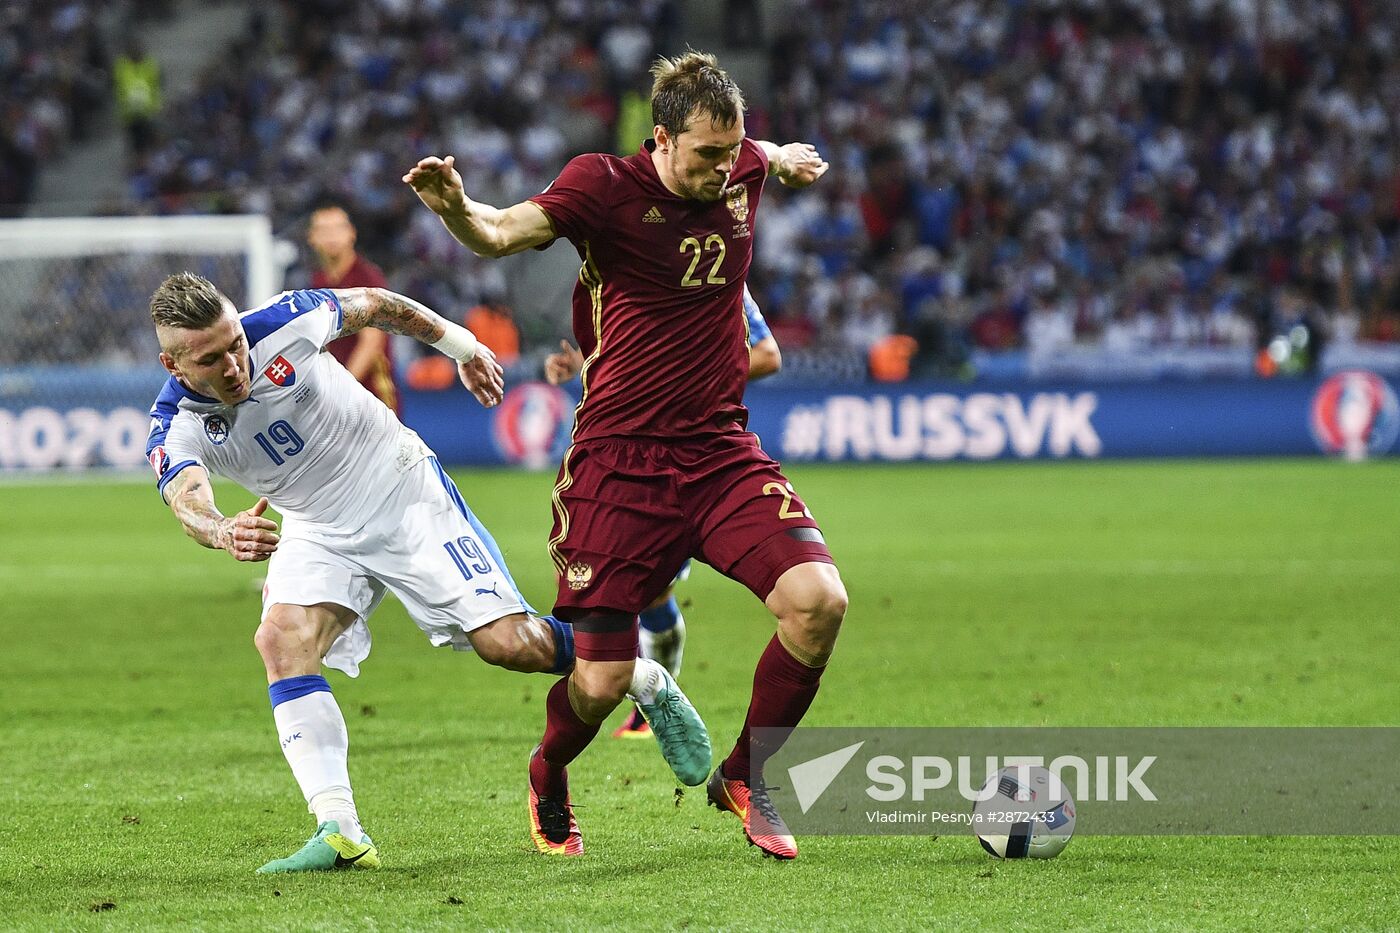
<point>366,507</point>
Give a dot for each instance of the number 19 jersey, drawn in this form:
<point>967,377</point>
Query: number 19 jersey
<point>310,438</point>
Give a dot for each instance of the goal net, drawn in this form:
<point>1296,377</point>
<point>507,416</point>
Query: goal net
<point>78,367</point>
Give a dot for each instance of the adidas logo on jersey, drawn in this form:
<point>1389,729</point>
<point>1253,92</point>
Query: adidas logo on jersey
<point>653,216</point>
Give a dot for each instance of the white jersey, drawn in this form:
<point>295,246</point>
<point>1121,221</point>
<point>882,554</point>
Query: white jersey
<point>309,437</point>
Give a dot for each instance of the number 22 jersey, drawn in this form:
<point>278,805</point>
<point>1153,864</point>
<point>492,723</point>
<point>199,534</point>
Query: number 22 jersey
<point>658,309</point>
<point>310,438</point>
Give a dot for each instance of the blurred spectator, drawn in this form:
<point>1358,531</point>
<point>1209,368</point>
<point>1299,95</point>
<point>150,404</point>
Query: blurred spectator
<point>19,163</point>
<point>368,353</point>
<point>633,119</point>
<point>493,325</point>
<point>891,356</point>
<point>137,84</point>
<point>1049,327</point>
<point>743,24</point>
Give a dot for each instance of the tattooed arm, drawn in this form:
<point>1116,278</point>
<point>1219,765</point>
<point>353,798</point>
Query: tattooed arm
<point>390,311</point>
<point>398,314</point>
<point>247,535</point>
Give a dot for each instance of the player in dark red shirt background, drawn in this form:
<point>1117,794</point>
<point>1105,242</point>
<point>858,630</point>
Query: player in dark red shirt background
<point>368,354</point>
<point>661,468</point>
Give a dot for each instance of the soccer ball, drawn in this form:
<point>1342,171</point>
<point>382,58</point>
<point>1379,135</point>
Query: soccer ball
<point>1023,813</point>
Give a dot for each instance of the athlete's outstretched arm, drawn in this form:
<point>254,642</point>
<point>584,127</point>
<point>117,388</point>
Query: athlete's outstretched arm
<point>399,314</point>
<point>796,165</point>
<point>481,228</point>
<point>247,535</point>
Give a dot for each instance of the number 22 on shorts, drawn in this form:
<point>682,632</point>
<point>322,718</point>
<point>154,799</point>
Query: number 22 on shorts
<point>787,492</point>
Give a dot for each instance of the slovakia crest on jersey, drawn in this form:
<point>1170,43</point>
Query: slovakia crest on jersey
<point>281,372</point>
<point>160,461</point>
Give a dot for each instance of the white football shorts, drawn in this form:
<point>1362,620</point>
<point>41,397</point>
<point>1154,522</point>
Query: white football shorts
<point>424,544</point>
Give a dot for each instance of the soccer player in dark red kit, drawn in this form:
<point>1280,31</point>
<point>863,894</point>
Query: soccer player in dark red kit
<point>661,467</point>
<point>369,353</point>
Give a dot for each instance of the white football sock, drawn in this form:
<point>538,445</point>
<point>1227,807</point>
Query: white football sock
<point>647,678</point>
<point>666,647</point>
<point>337,804</point>
<point>317,746</point>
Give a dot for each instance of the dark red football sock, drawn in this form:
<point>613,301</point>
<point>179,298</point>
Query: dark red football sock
<point>565,736</point>
<point>783,689</point>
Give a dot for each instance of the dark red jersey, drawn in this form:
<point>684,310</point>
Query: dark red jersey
<point>659,303</point>
<point>380,379</point>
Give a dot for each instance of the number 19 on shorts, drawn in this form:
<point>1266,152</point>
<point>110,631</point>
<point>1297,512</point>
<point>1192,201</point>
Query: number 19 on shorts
<point>468,556</point>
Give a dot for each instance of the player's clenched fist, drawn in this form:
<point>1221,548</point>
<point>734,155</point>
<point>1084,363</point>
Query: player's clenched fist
<point>438,184</point>
<point>799,164</point>
<point>249,536</point>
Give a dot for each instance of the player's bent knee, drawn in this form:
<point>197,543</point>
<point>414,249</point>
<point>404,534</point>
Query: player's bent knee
<point>283,629</point>
<point>812,595</point>
<point>603,681</point>
<point>293,639</point>
<point>810,603</point>
<point>831,604</point>
<point>516,643</point>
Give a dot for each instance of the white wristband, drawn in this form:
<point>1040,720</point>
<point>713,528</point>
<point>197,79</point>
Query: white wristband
<point>457,342</point>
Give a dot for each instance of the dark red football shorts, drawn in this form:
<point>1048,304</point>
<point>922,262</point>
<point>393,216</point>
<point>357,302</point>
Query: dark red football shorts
<point>628,513</point>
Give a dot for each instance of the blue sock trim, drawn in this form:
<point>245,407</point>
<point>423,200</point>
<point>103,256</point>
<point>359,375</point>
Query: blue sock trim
<point>663,618</point>
<point>292,688</point>
<point>563,644</point>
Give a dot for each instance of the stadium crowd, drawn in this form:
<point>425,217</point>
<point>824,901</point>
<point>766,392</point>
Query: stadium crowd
<point>56,60</point>
<point>1126,174</point>
<point>325,98</point>
<point>1135,174</point>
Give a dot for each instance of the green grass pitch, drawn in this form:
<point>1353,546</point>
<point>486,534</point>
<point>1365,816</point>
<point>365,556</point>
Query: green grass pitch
<point>141,783</point>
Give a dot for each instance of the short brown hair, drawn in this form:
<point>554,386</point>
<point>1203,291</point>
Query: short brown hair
<point>187,301</point>
<point>690,82</point>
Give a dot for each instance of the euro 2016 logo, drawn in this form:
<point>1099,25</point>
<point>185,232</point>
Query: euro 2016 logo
<point>159,460</point>
<point>1355,414</point>
<point>532,424</point>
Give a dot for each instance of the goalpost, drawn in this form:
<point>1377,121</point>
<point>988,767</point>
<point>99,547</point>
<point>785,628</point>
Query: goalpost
<point>72,238</point>
<point>78,367</point>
